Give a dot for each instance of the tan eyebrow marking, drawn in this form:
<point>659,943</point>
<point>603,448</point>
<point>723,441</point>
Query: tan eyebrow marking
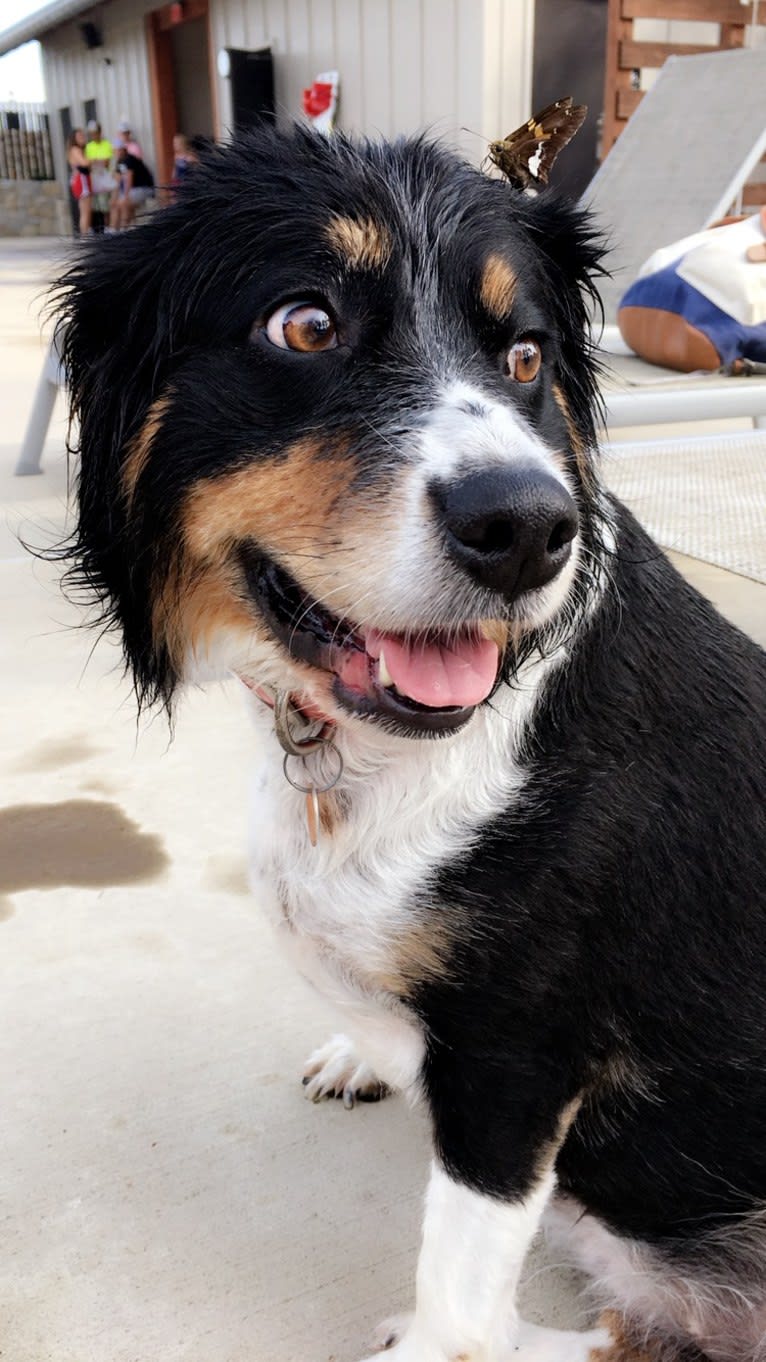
<point>498,286</point>
<point>363,242</point>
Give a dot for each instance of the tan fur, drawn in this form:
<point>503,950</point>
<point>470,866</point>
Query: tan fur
<point>622,1349</point>
<point>363,243</point>
<point>547,1154</point>
<point>140,447</point>
<point>580,452</point>
<point>302,510</point>
<point>419,955</point>
<point>329,812</point>
<point>191,606</point>
<point>498,286</point>
<point>288,504</point>
<point>497,631</point>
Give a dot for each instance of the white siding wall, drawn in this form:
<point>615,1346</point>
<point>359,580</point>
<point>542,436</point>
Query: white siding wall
<point>450,65</point>
<point>460,67</point>
<point>73,74</point>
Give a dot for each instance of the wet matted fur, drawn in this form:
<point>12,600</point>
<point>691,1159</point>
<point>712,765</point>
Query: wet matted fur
<point>541,907</point>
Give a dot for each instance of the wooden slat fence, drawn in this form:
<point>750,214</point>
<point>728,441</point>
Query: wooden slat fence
<point>627,56</point>
<point>25,143</point>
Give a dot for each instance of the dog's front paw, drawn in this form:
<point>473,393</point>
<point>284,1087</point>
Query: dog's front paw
<point>335,1070</point>
<point>390,1332</point>
<point>536,1344</point>
<point>394,1341</point>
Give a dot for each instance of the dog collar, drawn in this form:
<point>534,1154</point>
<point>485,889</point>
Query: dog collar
<point>302,730</point>
<point>300,726</point>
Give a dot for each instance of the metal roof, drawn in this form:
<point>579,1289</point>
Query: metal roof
<point>50,16</point>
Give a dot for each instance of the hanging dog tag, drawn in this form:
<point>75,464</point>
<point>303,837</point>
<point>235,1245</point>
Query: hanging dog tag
<point>312,815</point>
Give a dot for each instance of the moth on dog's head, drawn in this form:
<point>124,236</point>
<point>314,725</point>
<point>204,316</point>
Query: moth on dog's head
<point>259,377</point>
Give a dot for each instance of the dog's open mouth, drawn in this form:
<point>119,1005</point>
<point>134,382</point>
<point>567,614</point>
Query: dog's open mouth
<point>430,683</point>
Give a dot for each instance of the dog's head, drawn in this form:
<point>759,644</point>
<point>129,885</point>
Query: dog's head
<point>335,427</point>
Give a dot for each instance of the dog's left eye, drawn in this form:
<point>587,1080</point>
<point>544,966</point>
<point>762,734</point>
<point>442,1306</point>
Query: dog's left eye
<point>524,360</point>
<point>302,326</point>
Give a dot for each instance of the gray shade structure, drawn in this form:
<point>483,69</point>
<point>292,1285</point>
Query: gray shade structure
<point>682,159</point>
<point>47,17</point>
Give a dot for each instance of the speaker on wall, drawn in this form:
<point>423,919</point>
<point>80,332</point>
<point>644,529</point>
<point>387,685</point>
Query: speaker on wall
<point>91,36</point>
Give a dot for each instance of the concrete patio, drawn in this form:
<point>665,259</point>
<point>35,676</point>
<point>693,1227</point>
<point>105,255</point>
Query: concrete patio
<point>167,1194</point>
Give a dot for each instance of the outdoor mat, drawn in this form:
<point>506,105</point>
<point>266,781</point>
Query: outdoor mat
<point>704,495</point>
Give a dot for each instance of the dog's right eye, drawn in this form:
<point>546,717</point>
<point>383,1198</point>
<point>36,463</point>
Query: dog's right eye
<point>302,326</point>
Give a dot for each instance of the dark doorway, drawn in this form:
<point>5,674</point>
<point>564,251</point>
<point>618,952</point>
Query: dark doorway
<point>65,116</point>
<point>569,57</point>
<point>179,64</point>
<point>191,74</point>
<point>252,86</point>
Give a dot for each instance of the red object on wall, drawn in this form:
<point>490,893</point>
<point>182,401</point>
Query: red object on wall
<point>317,99</point>
<point>177,12</point>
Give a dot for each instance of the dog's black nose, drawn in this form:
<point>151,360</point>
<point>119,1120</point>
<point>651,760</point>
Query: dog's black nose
<point>511,529</point>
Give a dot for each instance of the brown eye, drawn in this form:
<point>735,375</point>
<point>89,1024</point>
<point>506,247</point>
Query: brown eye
<point>302,326</point>
<point>524,360</point>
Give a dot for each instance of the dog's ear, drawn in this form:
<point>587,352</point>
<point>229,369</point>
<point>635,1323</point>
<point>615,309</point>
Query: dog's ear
<point>572,251</point>
<point>115,342</point>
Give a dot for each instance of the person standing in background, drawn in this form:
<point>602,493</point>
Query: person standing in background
<point>99,152</point>
<point>184,159</point>
<point>126,139</point>
<point>79,179</point>
<point>136,184</point>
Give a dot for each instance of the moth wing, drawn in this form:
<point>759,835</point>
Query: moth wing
<point>527,155</point>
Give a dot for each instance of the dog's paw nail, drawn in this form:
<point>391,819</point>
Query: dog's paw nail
<point>336,1071</point>
<point>388,1334</point>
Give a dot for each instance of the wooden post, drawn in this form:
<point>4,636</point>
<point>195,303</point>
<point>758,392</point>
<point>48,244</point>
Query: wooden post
<point>617,78</point>
<point>624,54</point>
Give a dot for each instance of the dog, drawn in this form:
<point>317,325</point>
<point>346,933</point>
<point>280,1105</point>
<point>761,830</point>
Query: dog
<point>335,417</point>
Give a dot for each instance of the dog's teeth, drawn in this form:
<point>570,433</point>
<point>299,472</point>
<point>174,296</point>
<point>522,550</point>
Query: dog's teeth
<point>384,676</point>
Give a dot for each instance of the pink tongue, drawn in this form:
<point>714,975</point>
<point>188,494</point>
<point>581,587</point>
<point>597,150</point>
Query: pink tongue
<point>436,675</point>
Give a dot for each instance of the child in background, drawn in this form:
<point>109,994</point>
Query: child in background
<point>134,187</point>
<point>126,139</point>
<point>99,152</point>
<point>184,158</point>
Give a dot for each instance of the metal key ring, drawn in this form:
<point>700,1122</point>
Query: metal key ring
<point>284,709</point>
<point>315,787</point>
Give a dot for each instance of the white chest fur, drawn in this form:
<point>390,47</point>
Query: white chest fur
<point>343,908</point>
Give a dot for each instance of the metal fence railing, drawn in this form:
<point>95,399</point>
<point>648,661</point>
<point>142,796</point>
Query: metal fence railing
<point>25,143</point>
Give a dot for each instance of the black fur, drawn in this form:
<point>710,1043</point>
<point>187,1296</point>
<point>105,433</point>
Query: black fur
<point>174,302</point>
<point>617,913</point>
<point>622,920</point>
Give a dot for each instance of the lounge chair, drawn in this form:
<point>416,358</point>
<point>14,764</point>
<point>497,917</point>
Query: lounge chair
<point>679,165</point>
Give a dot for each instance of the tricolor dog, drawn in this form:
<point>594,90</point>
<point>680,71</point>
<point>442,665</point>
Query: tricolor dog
<point>336,435</point>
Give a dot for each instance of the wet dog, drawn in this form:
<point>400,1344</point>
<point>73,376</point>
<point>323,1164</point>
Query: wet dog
<point>335,414</point>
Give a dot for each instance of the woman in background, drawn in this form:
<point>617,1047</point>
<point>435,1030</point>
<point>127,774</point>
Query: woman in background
<point>79,178</point>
